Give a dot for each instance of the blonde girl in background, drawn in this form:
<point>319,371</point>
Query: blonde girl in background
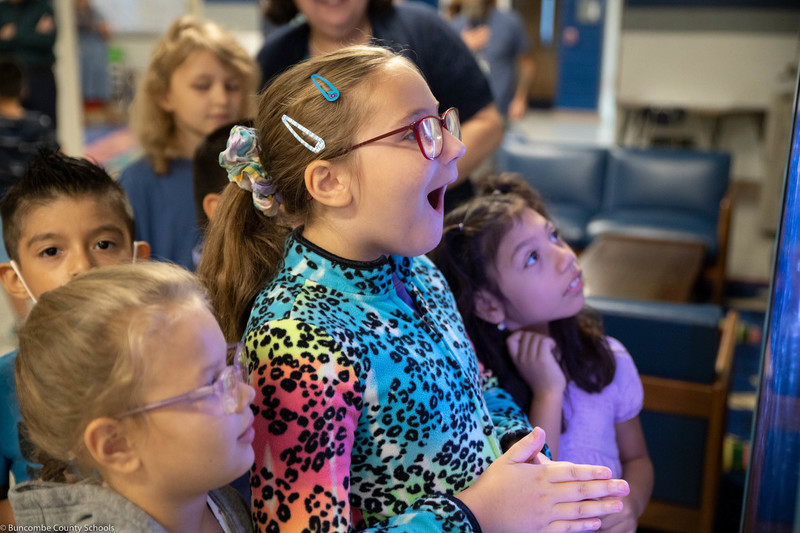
<point>198,79</point>
<point>371,412</point>
<point>137,408</point>
<point>519,289</point>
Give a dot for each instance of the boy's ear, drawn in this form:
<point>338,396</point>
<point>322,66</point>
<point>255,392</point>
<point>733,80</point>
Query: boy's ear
<point>328,184</point>
<point>12,282</point>
<point>110,446</point>
<point>142,250</point>
<point>210,202</point>
<point>488,307</point>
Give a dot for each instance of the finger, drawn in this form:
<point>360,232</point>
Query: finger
<point>578,491</point>
<point>586,509</point>
<point>529,344</point>
<point>527,447</point>
<point>562,471</point>
<point>513,341</point>
<point>551,345</point>
<point>567,526</point>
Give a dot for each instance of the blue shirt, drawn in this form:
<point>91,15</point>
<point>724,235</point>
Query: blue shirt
<point>163,207</point>
<point>10,419</point>
<point>499,58</point>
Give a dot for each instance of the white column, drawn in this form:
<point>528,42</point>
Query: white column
<point>607,102</point>
<point>68,82</point>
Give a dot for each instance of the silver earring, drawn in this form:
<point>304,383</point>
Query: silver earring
<point>501,326</point>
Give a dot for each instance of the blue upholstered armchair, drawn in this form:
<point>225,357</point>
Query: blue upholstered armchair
<point>665,194</point>
<point>571,179</point>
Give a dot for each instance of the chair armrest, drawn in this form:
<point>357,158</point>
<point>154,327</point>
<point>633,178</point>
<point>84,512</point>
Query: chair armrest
<point>727,343</point>
<point>723,229</point>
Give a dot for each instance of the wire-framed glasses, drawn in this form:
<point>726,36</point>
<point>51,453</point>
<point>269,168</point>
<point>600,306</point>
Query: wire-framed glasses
<point>427,130</point>
<point>225,386</point>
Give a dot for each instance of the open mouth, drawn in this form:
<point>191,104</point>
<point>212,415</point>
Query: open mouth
<point>436,198</point>
<point>576,284</point>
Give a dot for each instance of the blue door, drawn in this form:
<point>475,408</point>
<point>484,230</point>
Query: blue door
<point>579,52</point>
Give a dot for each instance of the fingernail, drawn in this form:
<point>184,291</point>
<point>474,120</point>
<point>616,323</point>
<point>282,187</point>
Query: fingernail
<point>603,473</point>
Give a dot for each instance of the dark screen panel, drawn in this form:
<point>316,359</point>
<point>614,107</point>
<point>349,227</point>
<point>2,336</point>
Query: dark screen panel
<point>771,501</point>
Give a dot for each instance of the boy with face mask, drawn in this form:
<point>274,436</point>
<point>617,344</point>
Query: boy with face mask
<point>63,217</point>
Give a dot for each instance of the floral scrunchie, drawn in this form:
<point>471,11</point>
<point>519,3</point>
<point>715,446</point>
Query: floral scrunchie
<point>240,159</point>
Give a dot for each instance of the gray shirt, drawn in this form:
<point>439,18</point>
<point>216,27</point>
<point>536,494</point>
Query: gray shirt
<point>89,506</point>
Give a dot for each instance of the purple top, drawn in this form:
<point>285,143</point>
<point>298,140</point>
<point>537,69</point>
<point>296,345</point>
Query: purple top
<point>590,437</point>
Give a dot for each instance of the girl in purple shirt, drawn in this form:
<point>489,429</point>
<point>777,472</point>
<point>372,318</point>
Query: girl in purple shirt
<point>519,289</point>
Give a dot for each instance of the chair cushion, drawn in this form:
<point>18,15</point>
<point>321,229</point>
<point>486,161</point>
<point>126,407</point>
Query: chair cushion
<point>561,173</point>
<point>666,179</point>
<point>676,445</point>
<point>675,224</point>
<point>571,221</point>
<point>667,340</point>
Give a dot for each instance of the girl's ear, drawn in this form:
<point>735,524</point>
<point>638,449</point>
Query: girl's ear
<point>110,446</point>
<point>165,102</point>
<point>488,307</point>
<point>328,184</point>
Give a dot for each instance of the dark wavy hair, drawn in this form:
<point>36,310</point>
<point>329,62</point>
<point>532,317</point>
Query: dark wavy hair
<point>283,11</point>
<point>472,234</point>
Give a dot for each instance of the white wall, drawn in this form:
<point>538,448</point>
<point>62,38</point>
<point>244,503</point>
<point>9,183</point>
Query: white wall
<point>241,19</point>
<point>705,69</point>
<point>709,60</point>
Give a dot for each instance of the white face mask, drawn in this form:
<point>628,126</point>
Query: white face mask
<point>19,275</point>
<point>28,290</point>
<point>135,250</point>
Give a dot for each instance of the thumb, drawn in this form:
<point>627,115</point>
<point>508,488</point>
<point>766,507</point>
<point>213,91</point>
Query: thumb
<point>527,447</point>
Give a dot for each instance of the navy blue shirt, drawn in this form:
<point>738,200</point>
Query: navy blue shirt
<point>417,32</point>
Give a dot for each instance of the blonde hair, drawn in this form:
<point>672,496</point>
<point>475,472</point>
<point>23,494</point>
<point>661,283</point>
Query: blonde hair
<point>155,127</point>
<point>243,249</point>
<point>82,353</point>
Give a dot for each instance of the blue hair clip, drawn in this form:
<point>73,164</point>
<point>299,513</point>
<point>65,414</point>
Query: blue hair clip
<point>331,94</point>
<point>289,122</point>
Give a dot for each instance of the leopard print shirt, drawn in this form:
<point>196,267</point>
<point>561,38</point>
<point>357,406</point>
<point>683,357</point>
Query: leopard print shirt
<point>368,414</point>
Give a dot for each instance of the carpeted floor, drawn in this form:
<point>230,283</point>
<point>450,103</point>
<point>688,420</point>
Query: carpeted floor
<point>112,147</point>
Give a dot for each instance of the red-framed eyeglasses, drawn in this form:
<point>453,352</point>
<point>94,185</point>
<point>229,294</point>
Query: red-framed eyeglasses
<point>427,130</point>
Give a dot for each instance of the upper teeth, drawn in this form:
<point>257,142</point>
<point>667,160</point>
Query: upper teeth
<point>574,282</point>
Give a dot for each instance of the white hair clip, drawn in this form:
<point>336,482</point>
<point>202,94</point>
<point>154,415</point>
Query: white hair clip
<point>289,122</point>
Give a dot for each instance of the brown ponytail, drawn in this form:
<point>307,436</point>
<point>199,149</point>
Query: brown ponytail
<point>244,249</point>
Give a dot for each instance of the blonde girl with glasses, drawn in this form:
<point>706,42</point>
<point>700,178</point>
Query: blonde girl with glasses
<point>198,79</point>
<point>138,409</point>
<point>371,412</point>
